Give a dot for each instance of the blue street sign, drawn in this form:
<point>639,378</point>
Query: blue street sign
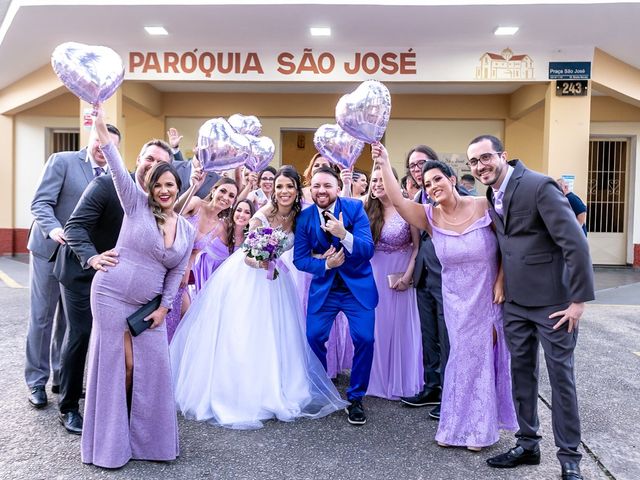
<point>569,70</point>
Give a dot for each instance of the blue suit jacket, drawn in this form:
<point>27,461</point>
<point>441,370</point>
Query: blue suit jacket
<point>356,270</point>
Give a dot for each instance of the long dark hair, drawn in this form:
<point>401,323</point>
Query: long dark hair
<point>428,151</point>
<point>231,224</point>
<point>289,172</point>
<point>221,181</point>
<point>154,174</point>
<point>375,209</point>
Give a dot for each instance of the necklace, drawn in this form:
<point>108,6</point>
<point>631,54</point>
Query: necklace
<point>283,218</point>
<point>453,219</point>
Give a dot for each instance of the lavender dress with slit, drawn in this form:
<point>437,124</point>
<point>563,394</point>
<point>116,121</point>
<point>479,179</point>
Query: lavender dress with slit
<point>112,435</point>
<point>476,398</point>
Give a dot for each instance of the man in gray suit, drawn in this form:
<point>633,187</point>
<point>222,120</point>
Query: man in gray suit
<point>65,177</point>
<point>548,276</point>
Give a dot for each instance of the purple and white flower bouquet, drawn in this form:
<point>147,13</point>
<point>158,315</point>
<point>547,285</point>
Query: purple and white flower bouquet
<point>266,244</point>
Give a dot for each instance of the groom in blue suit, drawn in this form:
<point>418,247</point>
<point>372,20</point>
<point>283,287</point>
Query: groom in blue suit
<point>333,242</point>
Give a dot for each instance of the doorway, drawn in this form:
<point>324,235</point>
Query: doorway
<point>607,200</point>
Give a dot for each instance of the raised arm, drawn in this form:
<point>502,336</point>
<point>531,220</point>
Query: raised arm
<point>128,192</point>
<point>412,212</point>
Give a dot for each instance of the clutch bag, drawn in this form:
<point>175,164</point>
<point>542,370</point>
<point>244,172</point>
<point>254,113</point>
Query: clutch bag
<point>136,320</point>
<point>392,278</point>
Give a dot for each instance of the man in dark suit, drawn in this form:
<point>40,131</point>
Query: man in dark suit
<point>91,232</point>
<point>548,276</point>
<point>65,177</point>
<point>184,167</point>
<point>427,279</point>
<point>333,242</point>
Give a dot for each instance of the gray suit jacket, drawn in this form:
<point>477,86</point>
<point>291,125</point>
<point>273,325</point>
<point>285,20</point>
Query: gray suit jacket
<point>184,171</point>
<point>65,176</point>
<point>545,255</point>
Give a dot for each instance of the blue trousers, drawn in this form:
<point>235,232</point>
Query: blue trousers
<point>361,322</point>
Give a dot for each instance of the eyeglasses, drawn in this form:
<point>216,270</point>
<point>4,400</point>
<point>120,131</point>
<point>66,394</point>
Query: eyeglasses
<point>417,165</point>
<point>484,159</point>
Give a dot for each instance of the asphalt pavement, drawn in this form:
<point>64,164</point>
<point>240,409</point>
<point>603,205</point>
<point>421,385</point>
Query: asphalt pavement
<point>396,443</point>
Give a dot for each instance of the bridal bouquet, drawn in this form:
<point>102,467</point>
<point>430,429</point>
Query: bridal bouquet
<point>266,244</point>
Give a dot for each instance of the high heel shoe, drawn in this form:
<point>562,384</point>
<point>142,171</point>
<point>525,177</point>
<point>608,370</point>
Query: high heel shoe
<point>474,449</point>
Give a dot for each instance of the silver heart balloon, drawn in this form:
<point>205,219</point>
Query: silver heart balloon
<point>246,124</point>
<point>262,152</point>
<point>220,147</point>
<point>92,73</point>
<point>364,113</point>
<point>337,145</point>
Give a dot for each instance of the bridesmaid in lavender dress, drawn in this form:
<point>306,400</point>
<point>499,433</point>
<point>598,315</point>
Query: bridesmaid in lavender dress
<point>397,369</point>
<point>208,217</point>
<point>476,397</point>
<point>129,409</point>
<point>218,249</point>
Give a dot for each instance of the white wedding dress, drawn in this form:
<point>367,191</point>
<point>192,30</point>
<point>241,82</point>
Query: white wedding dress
<point>240,355</point>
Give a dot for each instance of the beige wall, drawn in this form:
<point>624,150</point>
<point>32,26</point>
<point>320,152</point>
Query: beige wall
<point>140,128</point>
<point>444,136</point>
<point>523,138</point>
<point>30,157</point>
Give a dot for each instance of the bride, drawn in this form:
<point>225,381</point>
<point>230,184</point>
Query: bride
<point>240,355</point>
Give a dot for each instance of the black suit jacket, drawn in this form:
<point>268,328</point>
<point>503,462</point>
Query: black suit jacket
<point>545,254</point>
<point>184,171</point>
<point>93,228</point>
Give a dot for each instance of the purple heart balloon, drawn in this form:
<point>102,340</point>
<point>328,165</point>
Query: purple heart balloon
<point>92,73</point>
<point>262,152</point>
<point>337,145</point>
<point>220,147</point>
<point>246,124</point>
<point>364,113</point>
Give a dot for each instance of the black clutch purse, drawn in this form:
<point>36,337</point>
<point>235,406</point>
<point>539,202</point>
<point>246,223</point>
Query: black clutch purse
<point>136,320</point>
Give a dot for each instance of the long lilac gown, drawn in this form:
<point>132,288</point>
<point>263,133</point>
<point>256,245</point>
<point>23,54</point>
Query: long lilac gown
<point>111,436</point>
<point>476,398</point>
<point>397,369</point>
<point>212,253</point>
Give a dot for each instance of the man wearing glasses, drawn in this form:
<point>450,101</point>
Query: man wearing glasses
<point>548,276</point>
<point>427,279</point>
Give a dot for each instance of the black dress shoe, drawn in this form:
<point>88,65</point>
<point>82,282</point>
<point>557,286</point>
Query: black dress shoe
<point>38,396</point>
<point>514,457</point>
<point>571,471</point>
<point>355,413</point>
<point>434,413</point>
<point>424,398</point>
<point>55,389</point>
<point>71,421</point>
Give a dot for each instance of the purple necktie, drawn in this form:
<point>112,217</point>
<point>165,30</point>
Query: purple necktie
<point>98,171</point>
<point>497,202</point>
